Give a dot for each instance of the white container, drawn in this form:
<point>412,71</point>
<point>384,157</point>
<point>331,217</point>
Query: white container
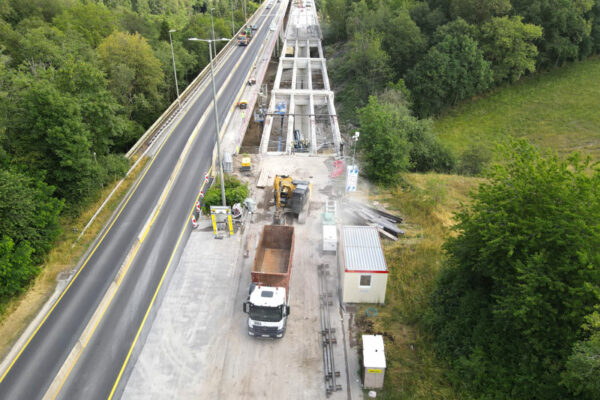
<point>373,361</point>
<point>227,163</point>
<point>329,238</point>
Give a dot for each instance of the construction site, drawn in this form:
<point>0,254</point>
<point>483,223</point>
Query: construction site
<point>215,334</point>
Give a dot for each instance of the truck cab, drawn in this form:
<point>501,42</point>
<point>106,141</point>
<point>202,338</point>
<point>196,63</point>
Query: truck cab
<point>267,311</point>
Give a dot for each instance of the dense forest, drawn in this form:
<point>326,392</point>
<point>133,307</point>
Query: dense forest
<point>422,57</point>
<point>80,82</point>
<point>515,311</point>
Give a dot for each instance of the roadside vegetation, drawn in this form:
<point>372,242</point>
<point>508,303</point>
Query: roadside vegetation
<point>556,110</point>
<point>500,300</point>
<point>66,252</point>
<point>427,203</point>
<point>80,82</point>
<point>235,192</point>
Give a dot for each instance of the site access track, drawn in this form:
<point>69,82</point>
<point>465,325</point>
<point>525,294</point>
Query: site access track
<point>97,369</point>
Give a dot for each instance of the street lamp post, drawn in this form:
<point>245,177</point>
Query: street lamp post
<point>212,26</point>
<point>218,129</point>
<point>232,24</point>
<point>174,70</point>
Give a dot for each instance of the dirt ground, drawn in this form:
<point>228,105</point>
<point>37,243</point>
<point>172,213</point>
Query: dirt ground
<point>199,346</point>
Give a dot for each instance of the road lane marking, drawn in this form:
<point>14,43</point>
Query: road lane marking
<point>38,327</point>
<point>80,345</point>
<point>162,278</point>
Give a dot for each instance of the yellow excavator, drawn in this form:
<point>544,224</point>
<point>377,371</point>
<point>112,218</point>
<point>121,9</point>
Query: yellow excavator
<point>291,196</point>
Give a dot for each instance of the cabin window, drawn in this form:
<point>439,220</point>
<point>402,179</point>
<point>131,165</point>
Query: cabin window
<point>365,281</point>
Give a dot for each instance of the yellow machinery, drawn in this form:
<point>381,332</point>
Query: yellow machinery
<point>246,164</point>
<point>291,196</point>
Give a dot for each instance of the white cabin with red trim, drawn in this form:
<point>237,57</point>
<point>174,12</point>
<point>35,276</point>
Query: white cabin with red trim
<point>363,270</point>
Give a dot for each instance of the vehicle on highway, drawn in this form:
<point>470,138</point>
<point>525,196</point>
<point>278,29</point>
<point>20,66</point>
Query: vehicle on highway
<point>245,37</point>
<point>268,305</point>
<point>273,26</point>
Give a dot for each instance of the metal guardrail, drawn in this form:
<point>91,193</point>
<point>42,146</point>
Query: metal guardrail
<point>172,111</point>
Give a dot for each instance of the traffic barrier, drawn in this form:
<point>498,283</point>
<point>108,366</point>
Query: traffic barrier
<point>168,115</point>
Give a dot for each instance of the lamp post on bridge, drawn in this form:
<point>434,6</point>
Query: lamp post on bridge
<point>218,129</point>
<point>174,69</point>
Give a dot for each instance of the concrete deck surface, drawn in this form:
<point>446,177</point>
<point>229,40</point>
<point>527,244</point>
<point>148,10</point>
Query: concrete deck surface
<point>199,348</point>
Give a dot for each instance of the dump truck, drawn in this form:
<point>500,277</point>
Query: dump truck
<point>245,37</point>
<point>267,305</point>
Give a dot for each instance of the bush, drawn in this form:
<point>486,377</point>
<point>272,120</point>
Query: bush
<point>235,192</point>
<point>426,152</point>
<point>473,160</point>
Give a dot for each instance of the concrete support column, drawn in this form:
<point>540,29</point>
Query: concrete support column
<point>277,82</point>
<point>313,125</point>
<point>309,74</point>
<point>294,75</point>
<point>334,122</point>
<point>290,128</point>
<point>324,73</point>
<point>264,142</point>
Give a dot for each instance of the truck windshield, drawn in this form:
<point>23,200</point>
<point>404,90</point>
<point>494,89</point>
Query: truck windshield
<point>265,314</point>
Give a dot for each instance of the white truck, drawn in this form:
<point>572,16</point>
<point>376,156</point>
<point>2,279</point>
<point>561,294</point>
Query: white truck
<point>267,305</point>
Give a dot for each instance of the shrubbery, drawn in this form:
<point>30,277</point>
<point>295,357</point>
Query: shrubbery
<point>522,278</point>
<point>235,192</point>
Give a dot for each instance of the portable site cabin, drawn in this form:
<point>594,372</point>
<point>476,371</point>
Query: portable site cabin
<point>363,270</point>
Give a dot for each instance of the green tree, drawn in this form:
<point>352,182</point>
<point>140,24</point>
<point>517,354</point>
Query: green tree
<point>336,12</point>
<point>565,27</point>
<point>426,18</point>
<point>583,365</point>
<point>508,44</point>
<point>99,110</point>
<point>92,21</point>
<point>426,152</point>
<point>478,11</point>
<point>452,70</point>
<point>403,42</point>
<point>28,212</point>
<point>47,137</point>
<point>16,267</point>
<point>365,69</point>
<point>383,145</point>
<point>523,272</point>
<point>134,75</point>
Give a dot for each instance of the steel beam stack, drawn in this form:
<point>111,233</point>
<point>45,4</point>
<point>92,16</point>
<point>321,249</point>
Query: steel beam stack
<point>327,333</point>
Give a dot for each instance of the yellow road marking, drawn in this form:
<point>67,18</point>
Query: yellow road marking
<point>137,335</point>
<point>95,248</point>
<point>122,275</point>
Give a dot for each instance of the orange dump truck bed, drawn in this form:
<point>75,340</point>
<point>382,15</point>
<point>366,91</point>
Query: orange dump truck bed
<point>273,261</point>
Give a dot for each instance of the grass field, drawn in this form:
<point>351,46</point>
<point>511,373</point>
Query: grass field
<point>557,109</point>
<point>427,203</point>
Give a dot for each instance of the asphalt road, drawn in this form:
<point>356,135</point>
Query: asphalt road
<point>96,371</point>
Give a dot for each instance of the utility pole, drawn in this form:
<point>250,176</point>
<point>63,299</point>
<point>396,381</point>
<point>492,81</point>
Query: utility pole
<point>175,70</point>
<point>232,23</point>
<point>216,112</point>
